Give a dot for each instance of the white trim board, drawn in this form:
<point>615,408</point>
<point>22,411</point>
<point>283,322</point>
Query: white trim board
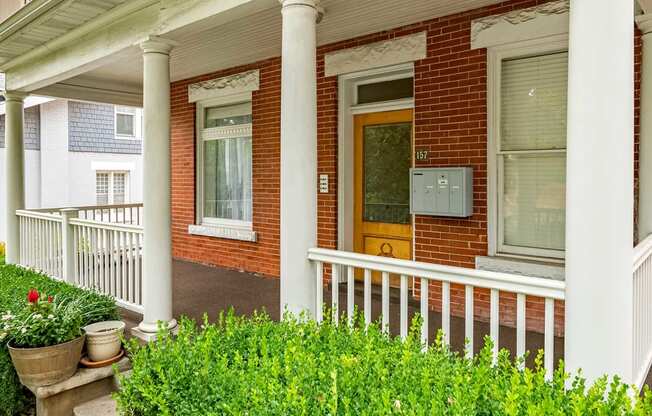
<point>225,86</point>
<point>396,51</point>
<point>540,21</point>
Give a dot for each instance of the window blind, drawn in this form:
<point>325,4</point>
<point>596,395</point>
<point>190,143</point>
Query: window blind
<point>532,152</point>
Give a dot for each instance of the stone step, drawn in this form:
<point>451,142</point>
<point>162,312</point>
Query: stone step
<point>87,384</point>
<point>102,406</point>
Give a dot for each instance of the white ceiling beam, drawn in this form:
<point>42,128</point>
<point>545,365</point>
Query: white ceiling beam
<point>99,92</point>
<point>92,44</point>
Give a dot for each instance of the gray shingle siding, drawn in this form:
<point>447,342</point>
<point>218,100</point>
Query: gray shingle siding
<point>91,128</point>
<point>31,129</point>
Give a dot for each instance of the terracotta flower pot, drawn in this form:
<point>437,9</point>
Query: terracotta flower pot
<point>103,339</point>
<point>47,365</point>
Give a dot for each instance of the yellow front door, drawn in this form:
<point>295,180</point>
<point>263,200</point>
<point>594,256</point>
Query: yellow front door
<point>383,157</point>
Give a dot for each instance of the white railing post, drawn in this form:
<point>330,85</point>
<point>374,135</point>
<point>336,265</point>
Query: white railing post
<point>68,244</point>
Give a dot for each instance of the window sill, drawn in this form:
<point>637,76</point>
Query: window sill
<point>553,271</point>
<point>230,233</point>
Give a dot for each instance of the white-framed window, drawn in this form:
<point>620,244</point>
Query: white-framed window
<point>224,162</point>
<point>126,123</point>
<point>111,188</point>
<point>528,85</point>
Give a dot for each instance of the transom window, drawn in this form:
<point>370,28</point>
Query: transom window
<point>110,188</point>
<point>531,155</point>
<point>225,150</point>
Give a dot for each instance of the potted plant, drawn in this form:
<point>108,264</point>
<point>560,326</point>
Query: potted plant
<point>45,339</point>
<point>103,340</point>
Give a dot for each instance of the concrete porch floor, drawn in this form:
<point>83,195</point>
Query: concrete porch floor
<point>199,289</point>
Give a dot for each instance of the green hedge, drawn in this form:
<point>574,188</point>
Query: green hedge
<point>14,284</point>
<point>254,366</point>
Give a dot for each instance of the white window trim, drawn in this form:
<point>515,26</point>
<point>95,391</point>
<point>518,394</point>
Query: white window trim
<point>137,125</point>
<point>215,227</point>
<point>495,56</point>
<point>111,195</point>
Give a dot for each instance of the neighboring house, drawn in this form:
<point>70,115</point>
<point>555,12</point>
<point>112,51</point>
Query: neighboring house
<point>78,154</point>
<point>280,139</point>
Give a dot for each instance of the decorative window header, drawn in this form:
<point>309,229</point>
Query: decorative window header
<point>544,20</point>
<point>400,50</point>
<point>225,86</point>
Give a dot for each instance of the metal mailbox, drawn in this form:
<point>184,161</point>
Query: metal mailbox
<point>446,192</point>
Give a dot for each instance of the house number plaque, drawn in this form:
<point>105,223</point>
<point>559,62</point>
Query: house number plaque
<point>421,155</point>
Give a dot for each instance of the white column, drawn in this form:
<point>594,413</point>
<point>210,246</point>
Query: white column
<point>599,197</point>
<point>298,155</point>
<point>157,261</point>
<point>14,172</point>
<point>645,145</point>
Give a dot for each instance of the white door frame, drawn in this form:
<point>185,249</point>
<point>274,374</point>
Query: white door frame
<point>347,108</point>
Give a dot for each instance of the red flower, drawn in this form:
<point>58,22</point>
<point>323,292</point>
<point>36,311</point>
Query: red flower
<point>50,299</point>
<point>32,296</point>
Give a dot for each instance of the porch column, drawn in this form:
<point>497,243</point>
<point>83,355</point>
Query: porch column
<point>14,172</point>
<point>644,23</point>
<point>298,155</point>
<point>600,196</point>
<point>157,262</point>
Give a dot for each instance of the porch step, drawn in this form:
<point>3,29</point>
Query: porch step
<point>86,385</point>
<point>102,406</point>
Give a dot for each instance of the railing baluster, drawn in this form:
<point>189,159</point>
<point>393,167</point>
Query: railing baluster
<point>468,319</point>
<point>385,302</point>
<point>350,294</point>
<point>128,252</point>
<point>367,297</point>
<point>424,312</point>
<point>404,306</point>
<point>446,311</point>
<point>335,292</point>
<point>549,342</point>
<point>320,291</point>
<point>494,320</point>
<point>520,325</point>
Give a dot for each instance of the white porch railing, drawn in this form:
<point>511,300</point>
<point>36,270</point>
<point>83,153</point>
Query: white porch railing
<point>522,286</point>
<point>642,286</point>
<point>41,243</point>
<point>99,247</point>
<point>120,213</point>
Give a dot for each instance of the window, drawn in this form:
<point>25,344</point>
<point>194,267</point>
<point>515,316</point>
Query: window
<point>225,165</point>
<point>125,126</point>
<point>111,188</point>
<point>381,91</point>
<point>530,155</point>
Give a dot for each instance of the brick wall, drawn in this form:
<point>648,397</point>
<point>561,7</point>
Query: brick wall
<point>91,128</point>
<point>450,122</point>
<point>262,256</point>
<point>31,128</point>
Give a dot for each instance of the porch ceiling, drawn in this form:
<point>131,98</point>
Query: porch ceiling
<point>210,45</point>
<point>47,20</point>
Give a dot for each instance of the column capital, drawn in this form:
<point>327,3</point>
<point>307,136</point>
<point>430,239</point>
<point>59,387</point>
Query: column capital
<point>315,4</point>
<point>644,23</point>
<point>15,96</point>
<point>157,44</point>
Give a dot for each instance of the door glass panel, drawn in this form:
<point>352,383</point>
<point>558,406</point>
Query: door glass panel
<point>387,160</point>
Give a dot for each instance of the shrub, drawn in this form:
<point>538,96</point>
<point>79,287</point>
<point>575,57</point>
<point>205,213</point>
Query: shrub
<point>241,366</point>
<point>15,282</point>
<point>2,253</point>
